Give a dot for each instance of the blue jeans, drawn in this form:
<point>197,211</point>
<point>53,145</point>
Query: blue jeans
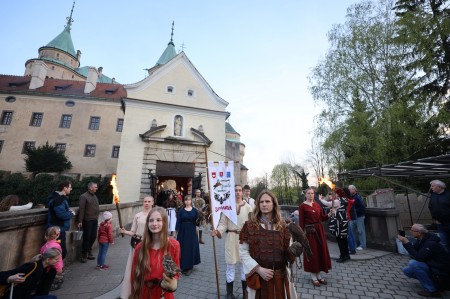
<point>444,235</point>
<point>351,237</point>
<point>102,250</point>
<point>421,272</point>
<point>359,225</point>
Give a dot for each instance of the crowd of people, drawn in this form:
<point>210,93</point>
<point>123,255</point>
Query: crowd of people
<point>261,244</point>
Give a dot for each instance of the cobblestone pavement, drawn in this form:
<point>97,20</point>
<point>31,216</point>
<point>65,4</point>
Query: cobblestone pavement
<point>371,274</point>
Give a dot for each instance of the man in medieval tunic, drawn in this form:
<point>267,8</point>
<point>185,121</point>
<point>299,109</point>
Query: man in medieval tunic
<point>232,240</point>
<point>265,253</point>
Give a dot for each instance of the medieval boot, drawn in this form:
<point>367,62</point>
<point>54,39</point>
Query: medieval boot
<point>200,239</point>
<point>244,289</point>
<point>230,294</point>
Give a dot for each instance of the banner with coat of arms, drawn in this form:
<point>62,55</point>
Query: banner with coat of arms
<point>221,189</point>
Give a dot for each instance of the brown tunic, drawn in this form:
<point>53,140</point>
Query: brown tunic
<point>269,249</point>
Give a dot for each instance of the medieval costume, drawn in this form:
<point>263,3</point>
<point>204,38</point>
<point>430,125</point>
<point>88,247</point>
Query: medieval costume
<point>311,218</point>
<point>187,236</point>
<point>268,248</point>
<point>152,288</point>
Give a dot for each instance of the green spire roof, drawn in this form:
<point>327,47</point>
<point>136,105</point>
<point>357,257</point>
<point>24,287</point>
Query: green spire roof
<point>230,129</point>
<point>64,41</point>
<point>169,52</point>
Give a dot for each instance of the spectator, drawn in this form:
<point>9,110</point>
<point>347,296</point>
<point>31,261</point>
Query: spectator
<point>429,257</point>
<point>59,213</point>
<point>11,203</point>
<point>51,237</point>
<point>187,236</point>
<point>358,225</point>
<point>137,231</point>
<point>439,206</point>
<point>88,220</point>
<point>33,277</point>
<point>105,237</point>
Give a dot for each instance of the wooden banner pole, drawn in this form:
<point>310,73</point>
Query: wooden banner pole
<point>212,225</point>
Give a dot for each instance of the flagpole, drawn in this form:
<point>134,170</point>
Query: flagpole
<point>212,224</point>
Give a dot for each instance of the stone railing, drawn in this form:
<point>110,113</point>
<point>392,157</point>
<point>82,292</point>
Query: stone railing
<point>22,233</point>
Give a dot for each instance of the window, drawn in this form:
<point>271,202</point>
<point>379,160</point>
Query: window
<point>170,89</point>
<point>70,103</point>
<point>115,151</point>
<point>190,93</point>
<point>119,126</point>
<point>1,145</point>
<point>66,121</point>
<point>30,145</point>
<point>6,117</point>
<point>36,119</point>
<point>60,147</point>
<point>94,123</point>
<point>89,150</point>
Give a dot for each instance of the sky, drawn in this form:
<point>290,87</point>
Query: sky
<point>255,54</point>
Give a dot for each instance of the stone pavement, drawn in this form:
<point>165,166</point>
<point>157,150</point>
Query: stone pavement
<point>370,274</point>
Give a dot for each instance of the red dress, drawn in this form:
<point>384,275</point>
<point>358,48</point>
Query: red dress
<point>312,217</point>
<point>156,273</point>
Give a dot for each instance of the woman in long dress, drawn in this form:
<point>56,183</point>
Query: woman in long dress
<point>311,216</point>
<point>187,236</point>
<point>137,228</point>
<point>152,274</point>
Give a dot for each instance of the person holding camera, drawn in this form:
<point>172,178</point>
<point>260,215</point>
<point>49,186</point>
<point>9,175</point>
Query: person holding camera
<point>430,260</point>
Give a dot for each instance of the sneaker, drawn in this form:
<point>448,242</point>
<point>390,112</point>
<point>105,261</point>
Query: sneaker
<point>105,266</point>
<point>101,268</point>
<point>91,257</point>
<point>98,266</point>
<point>359,248</point>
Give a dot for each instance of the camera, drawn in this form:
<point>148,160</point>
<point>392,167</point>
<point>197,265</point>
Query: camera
<point>401,232</point>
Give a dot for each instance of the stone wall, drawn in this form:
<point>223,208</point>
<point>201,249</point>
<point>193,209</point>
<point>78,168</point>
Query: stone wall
<point>22,233</point>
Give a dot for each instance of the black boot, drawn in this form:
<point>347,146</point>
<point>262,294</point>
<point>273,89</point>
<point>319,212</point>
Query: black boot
<point>244,289</point>
<point>341,259</point>
<point>230,290</point>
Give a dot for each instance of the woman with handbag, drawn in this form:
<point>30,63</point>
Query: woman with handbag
<point>136,232</point>
<point>311,216</point>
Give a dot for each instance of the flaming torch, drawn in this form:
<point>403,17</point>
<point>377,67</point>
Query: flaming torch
<point>116,199</point>
<point>327,182</point>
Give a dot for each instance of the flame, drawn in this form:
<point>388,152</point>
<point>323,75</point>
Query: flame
<point>182,189</point>
<point>115,189</point>
<point>327,182</point>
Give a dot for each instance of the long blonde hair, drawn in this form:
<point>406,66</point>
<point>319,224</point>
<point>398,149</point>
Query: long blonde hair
<point>276,213</point>
<point>143,259</point>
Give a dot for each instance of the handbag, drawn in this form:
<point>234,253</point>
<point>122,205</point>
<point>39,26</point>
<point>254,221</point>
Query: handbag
<point>253,281</point>
<point>135,239</point>
<point>5,288</point>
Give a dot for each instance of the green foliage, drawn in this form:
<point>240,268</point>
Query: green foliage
<point>383,83</point>
<point>38,189</point>
<point>46,158</point>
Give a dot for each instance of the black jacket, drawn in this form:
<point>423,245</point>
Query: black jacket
<point>40,280</point>
<point>431,252</point>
